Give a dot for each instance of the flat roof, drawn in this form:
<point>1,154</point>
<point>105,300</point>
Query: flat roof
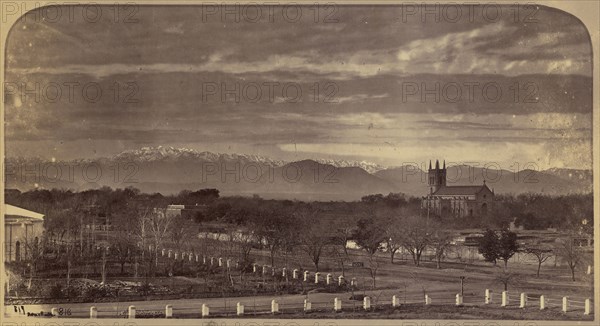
<point>21,212</point>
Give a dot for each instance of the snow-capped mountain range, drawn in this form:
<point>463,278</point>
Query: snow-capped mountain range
<point>169,170</point>
<point>169,153</point>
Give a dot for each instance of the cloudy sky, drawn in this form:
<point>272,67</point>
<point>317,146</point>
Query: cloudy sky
<point>365,83</point>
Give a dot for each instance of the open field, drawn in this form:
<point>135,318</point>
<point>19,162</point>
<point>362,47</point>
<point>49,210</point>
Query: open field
<point>403,279</point>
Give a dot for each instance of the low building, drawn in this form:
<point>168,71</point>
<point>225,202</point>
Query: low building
<point>23,229</point>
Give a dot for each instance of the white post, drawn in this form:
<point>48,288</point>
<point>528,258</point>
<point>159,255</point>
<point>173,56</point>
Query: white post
<point>220,262</point>
<point>295,274</point>
<point>284,272</point>
<point>488,296</point>
<point>204,260</point>
<point>168,311</point>
<point>163,252</point>
<point>542,302</point>
<point>589,269</point>
<point>212,261</point>
<point>228,263</point>
<point>264,269</point>
<point>54,312</point>
<point>205,310</point>
<point>197,258</point>
<point>274,306</point>
<point>504,298</point>
<point>395,301</point>
<point>240,309</point>
<point>169,254</point>
<point>306,276</point>
<point>307,305</point>
<point>459,299</point>
<point>273,271</point>
<point>523,301</point>
<point>131,312</point>
<point>328,279</point>
<point>176,254</point>
<point>565,305</point>
<point>93,312</point>
<point>367,303</point>
<point>317,274</point>
<point>353,282</point>
<point>588,307</point>
<point>340,280</point>
<point>427,300</point>
<point>337,304</point>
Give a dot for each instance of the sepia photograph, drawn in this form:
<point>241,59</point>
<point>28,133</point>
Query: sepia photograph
<point>311,163</point>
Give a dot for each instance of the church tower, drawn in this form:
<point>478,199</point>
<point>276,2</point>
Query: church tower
<point>437,177</point>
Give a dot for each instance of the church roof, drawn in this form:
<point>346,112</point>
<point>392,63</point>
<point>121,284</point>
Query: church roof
<point>459,190</point>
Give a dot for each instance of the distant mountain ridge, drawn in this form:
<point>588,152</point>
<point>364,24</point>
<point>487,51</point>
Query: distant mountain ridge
<point>169,170</point>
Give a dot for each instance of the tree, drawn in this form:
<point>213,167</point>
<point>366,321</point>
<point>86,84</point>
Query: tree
<point>494,246</point>
<point>313,235</point>
<point>394,234</point>
<point>507,245</point>
<point>506,278</point>
<point>440,242</point>
<point>270,225</point>
<point>541,254</point>
<point>415,237</point>
<point>35,254</point>
<point>569,253</point>
<point>160,224</point>
<point>181,231</point>
<point>370,235</point>
<point>488,246</point>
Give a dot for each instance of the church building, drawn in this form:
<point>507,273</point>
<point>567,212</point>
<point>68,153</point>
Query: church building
<point>455,201</point>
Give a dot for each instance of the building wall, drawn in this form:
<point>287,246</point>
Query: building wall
<point>479,204</point>
<point>18,236</point>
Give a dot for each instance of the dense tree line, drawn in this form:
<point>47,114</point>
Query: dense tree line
<point>140,226</point>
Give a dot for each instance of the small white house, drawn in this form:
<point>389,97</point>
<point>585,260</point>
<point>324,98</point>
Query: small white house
<point>22,229</point>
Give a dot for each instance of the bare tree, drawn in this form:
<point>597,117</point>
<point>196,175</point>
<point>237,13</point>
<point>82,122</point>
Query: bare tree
<point>314,236</point>
<point>393,239</point>
<point>416,236</point>
<point>507,278</point>
<point>542,254</point>
<point>569,253</point>
<point>35,254</point>
<point>440,242</point>
<point>370,235</point>
<point>160,224</point>
<point>181,230</point>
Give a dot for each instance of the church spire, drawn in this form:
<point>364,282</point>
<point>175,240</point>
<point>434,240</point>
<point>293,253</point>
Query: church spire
<point>444,164</point>
<point>429,164</point>
<point>437,164</point>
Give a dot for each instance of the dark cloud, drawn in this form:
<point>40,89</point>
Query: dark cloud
<point>352,73</point>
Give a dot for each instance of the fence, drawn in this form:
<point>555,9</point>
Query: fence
<point>508,300</point>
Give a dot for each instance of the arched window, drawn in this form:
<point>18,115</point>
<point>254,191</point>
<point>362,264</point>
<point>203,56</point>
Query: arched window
<point>18,251</point>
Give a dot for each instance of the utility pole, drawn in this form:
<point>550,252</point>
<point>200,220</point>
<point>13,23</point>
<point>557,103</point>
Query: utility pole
<point>462,288</point>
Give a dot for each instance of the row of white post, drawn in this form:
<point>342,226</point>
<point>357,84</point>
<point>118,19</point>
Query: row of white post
<point>306,275</point>
<point>337,305</point>
<point>205,309</point>
<point>543,301</point>
<point>191,257</point>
